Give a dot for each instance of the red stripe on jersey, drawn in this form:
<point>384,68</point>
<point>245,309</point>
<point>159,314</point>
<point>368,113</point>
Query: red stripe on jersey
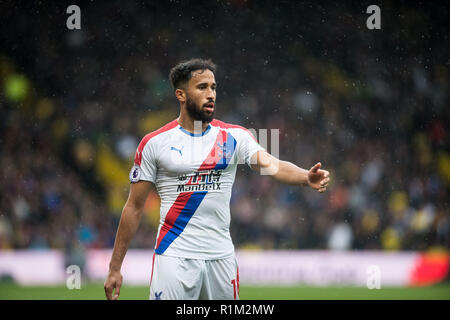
<point>224,125</point>
<point>153,267</point>
<point>213,157</point>
<point>138,156</point>
<point>173,214</point>
<point>237,279</point>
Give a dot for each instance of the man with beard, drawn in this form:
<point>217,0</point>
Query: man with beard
<point>192,161</point>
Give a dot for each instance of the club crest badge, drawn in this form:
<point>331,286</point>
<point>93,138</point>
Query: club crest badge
<point>135,173</point>
<point>158,295</point>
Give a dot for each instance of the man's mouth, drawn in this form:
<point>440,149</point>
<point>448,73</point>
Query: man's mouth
<point>209,106</point>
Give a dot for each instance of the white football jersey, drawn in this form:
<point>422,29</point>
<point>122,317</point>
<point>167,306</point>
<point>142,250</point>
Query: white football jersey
<point>194,174</point>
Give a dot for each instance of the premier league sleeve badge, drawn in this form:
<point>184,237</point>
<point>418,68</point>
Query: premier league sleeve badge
<point>135,173</point>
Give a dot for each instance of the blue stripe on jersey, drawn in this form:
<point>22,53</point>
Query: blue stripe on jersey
<point>227,152</point>
<point>181,221</point>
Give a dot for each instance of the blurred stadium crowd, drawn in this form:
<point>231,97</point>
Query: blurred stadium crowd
<point>371,105</point>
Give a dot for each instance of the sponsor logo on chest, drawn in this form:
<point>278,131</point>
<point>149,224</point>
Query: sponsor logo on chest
<point>199,181</point>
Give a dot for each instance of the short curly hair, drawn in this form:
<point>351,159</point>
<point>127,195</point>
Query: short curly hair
<point>182,72</point>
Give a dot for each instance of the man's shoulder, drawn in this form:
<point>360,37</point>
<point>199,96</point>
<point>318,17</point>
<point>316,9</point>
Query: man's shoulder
<point>232,127</point>
<point>152,135</point>
<point>224,125</point>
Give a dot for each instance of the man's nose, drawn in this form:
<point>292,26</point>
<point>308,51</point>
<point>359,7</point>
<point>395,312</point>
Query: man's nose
<point>211,94</point>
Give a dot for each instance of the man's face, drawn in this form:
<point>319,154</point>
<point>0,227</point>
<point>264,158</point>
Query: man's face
<point>201,95</point>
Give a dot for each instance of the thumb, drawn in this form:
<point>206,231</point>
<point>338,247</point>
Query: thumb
<point>316,167</point>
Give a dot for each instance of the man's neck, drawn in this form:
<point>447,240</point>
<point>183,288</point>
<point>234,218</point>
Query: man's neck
<point>189,125</point>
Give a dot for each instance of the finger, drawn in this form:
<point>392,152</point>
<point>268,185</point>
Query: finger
<point>115,297</point>
<point>108,292</point>
<point>316,167</point>
<point>322,189</point>
<point>325,181</point>
<point>117,291</point>
<point>326,173</point>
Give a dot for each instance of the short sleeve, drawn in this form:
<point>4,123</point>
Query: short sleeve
<point>144,167</point>
<point>247,146</point>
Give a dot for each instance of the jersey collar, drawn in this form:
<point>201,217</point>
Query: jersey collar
<point>196,134</point>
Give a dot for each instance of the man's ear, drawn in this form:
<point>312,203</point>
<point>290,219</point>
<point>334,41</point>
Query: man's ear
<point>181,95</point>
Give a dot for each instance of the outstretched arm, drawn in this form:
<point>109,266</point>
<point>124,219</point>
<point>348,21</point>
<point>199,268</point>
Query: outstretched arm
<point>289,173</point>
<point>129,222</point>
